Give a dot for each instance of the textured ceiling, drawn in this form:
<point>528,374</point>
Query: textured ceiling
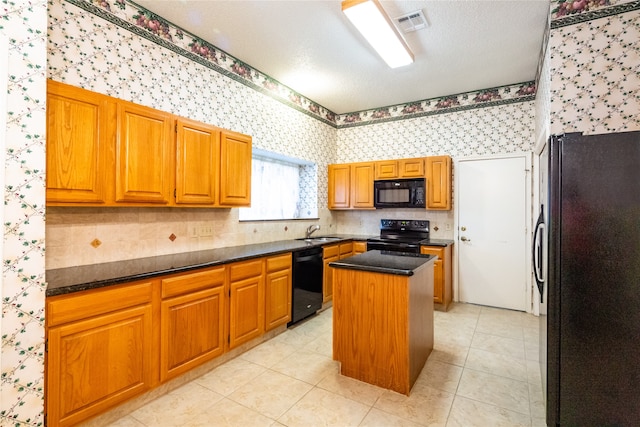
<point>310,46</point>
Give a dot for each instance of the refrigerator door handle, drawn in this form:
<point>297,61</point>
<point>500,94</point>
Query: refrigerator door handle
<point>539,271</point>
<point>538,258</point>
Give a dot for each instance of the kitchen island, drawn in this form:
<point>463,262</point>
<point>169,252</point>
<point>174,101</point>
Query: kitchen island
<point>383,317</point>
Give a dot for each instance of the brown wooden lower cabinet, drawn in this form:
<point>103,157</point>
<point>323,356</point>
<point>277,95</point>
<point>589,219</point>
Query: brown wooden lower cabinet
<point>246,301</point>
<point>278,291</point>
<point>442,290</point>
<point>99,351</point>
<point>332,253</point>
<point>359,247</point>
<point>192,320</point>
<point>108,345</point>
<point>383,325</point>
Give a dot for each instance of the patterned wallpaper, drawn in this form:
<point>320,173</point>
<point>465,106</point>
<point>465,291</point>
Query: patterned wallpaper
<point>595,73</point>
<point>22,288</point>
<point>491,130</point>
<point>144,23</point>
<point>137,62</point>
<point>96,54</point>
<point>543,101</point>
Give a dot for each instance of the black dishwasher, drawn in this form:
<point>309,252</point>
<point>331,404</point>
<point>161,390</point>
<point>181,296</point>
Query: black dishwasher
<point>306,297</point>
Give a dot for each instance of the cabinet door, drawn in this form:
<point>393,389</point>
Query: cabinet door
<point>197,148</point>
<point>438,283</point>
<point>144,155</point>
<point>438,182</point>
<point>246,302</point>
<point>78,144</point>
<point>97,363</point>
<point>362,185</point>
<point>386,169</point>
<point>192,330</point>
<point>235,169</point>
<point>339,186</point>
<point>278,291</point>
<point>412,168</point>
<point>441,280</point>
<point>329,254</point>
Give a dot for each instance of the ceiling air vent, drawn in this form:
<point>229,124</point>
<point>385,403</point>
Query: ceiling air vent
<point>411,21</point>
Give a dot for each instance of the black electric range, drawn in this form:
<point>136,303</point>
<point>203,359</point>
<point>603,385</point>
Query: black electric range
<point>400,235</point>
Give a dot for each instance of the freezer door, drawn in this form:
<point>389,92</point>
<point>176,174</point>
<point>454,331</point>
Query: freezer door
<point>594,280</point>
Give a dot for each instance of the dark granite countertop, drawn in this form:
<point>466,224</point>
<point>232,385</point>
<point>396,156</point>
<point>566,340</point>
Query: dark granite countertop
<point>73,279</point>
<point>384,262</point>
<point>436,242</point>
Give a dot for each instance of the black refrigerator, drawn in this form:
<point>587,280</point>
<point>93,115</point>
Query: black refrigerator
<point>590,310</point>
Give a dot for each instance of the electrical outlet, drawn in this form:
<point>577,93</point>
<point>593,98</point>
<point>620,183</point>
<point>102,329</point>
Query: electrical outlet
<point>206,231</point>
<point>447,226</point>
<point>193,231</point>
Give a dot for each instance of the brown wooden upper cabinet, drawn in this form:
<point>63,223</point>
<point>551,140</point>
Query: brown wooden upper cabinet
<point>438,170</point>
<point>235,169</point>
<point>197,147</point>
<point>339,186</point>
<point>102,151</point>
<point>144,154</point>
<point>362,185</point>
<point>351,185</point>
<point>78,144</point>
<point>399,169</point>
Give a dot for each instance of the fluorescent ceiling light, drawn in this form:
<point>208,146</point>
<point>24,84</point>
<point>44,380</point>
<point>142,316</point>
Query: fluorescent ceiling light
<point>374,24</point>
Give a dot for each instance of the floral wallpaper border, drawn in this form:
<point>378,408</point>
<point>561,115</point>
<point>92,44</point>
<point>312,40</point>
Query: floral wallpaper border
<point>144,23</point>
<point>447,104</point>
<point>586,10</point>
<point>133,17</point>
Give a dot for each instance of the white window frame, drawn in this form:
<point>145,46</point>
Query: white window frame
<point>264,189</point>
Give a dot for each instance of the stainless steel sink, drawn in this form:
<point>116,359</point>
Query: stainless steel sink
<point>321,239</point>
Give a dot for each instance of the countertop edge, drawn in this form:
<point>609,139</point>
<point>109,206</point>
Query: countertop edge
<point>100,279</point>
<point>371,268</point>
<point>387,263</point>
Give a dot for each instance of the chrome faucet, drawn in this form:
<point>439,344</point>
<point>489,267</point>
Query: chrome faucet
<point>311,229</point>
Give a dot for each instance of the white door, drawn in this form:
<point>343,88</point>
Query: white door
<point>492,232</point>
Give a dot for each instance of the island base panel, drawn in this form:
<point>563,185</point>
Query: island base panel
<point>383,325</point>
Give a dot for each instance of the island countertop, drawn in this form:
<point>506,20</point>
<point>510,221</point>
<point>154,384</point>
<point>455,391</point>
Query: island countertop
<point>384,262</point>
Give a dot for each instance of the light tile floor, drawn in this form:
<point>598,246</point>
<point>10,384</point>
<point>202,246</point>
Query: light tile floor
<point>483,371</point>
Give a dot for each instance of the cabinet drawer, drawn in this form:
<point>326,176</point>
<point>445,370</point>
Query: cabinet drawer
<point>330,251</point>
<point>387,169</point>
<point>82,305</point>
<point>281,262</point>
<point>242,270</point>
<point>346,249</point>
<point>190,282</point>
<point>359,247</point>
<point>433,250</point>
<point>412,168</point>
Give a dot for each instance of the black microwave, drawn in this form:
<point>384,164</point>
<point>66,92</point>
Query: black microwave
<point>399,193</point>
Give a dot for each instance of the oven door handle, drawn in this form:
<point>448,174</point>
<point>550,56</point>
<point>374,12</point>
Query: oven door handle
<point>395,245</point>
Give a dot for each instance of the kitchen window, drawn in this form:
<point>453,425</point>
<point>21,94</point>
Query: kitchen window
<point>281,188</point>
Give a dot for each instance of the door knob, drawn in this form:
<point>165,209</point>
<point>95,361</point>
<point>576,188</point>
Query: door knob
<point>464,239</point>
<point>463,228</point>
